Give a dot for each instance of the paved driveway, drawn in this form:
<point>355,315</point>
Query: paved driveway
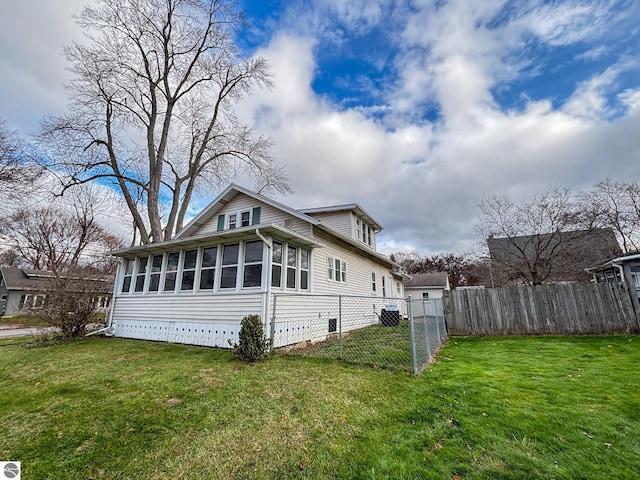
<point>7,331</point>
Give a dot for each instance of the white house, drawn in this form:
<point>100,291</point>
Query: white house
<point>226,263</point>
<point>427,286</point>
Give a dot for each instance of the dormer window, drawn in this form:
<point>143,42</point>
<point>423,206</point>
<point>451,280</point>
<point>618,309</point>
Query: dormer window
<point>232,220</point>
<point>364,232</point>
<point>238,219</point>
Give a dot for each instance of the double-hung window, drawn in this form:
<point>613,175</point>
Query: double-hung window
<point>189,269</point>
<point>141,273</point>
<point>252,264</point>
<point>304,269</point>
<point>232,221</point>
<point>229,269</point>
<point>208,270</point>
<point>128,273</point>
<point>156,269</point>
<point>276,265</point>
<point>336,270</point>
<point>292,263</point>
<point>384,287</point>
<point>373,281</point>
<point>245,218</point>
<point>171,271</point>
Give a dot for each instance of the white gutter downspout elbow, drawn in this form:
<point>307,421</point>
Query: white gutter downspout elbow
<point>262,237</point>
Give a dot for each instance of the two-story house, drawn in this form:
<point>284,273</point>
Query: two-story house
<point>230,259</point>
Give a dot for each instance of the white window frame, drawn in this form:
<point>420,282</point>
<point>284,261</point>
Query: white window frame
<point>202,268</point>
<point>139,274</point>
<point>373,282</point>
<point>246,264</point>
<point>338,275</point>
<point>165,266</point>
<point>277,264</point>
<point>129,267</point>
<point>384,286</point>
<point>302,269</point>
<point>237,265</point>
<point>156,273</point>
<point>234,219</point>
<point>184,269</point>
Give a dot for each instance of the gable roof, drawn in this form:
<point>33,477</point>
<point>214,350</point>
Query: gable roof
<point>600,242</point>
<point>30,279</point>
<point>438,279</point>
<point>568,253</point>
<point>352,207</point>
<point>225,197</point>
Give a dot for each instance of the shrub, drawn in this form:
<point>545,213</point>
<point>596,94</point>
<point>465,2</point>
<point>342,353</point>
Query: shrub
<point>253,344</point>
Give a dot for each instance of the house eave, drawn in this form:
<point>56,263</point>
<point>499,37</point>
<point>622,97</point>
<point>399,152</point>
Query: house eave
<point>235,234</point>
<point>225,197</point>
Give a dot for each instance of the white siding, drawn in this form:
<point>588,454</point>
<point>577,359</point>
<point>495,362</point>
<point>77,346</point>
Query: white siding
<point>268,215</point>
<point>199,319</point>
<point>416,292</point>
<point>359,269</point>
<point>341,222</point>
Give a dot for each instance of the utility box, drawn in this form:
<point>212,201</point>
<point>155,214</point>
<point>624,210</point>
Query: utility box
<point>390,316</point>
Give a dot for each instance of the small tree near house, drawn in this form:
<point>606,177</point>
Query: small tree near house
<point>70,302</point>
<point>253,345</point>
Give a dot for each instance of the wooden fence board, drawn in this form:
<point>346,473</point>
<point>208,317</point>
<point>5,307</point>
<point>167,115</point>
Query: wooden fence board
<point>552,309</point>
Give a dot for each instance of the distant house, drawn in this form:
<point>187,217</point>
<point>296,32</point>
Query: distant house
<point>26,289</point>
<point>622,269</point>
<point>427,286</point>
<point>550,257</point>
<point>230,259</point>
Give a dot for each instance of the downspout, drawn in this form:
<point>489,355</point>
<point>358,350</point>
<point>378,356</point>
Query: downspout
<point>108,330</point>
<point>268,280</point>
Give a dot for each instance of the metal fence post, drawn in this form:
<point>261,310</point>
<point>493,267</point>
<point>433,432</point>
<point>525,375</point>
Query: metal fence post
<point>340,326</point>
<point>426,332</point>
<point>273,323</point>
<point>438,320</point>
<point>412,338</point>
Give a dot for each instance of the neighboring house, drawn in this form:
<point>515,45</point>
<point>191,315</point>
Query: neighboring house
<point>550,257</point>
<point>623,269</point>
<point>25,288</point>
<point>226,263</point>
<point>427,285</point>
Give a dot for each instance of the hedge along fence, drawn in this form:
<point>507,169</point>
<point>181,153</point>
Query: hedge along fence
<point>553,309</point>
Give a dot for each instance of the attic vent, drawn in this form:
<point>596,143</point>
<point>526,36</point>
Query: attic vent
<point>288,222</point>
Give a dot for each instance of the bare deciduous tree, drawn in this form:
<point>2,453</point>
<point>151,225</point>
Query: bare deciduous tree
<point>152,107</point>
<point>17,172</point>
<point>56,240</point>
<point>615,205</point>
<point>542,239</point>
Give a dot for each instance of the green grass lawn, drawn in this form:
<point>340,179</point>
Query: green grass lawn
<point>565,408</point>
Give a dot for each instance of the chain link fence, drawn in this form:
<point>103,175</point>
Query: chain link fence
<point>381,332</point>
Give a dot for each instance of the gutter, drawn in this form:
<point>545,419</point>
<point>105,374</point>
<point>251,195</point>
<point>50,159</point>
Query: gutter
<point>108,330</point>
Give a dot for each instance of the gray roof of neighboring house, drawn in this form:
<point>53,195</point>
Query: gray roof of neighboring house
<point>30,279</point>
<point>427,280</point>
<point>570,253</point>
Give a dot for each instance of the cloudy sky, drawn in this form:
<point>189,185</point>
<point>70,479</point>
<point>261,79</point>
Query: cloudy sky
<point>414,109</point>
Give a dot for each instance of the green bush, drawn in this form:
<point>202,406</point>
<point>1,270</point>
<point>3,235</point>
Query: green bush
<point>253,344</point>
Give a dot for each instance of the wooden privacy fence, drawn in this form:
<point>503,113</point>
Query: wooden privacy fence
<point>562,309</point>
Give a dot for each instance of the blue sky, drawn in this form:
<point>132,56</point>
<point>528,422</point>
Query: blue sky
<point>414,109</point>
